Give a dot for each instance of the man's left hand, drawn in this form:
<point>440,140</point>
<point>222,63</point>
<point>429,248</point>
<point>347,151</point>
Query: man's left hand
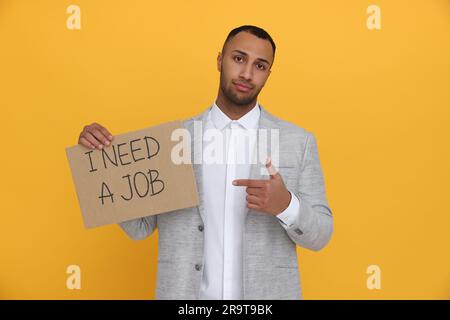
<point>270,196</point>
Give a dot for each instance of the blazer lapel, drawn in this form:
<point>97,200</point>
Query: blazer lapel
<point>266,124</point>
<point>195,128</point>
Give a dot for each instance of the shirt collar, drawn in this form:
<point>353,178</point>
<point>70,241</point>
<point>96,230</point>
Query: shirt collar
<point>249,120</point>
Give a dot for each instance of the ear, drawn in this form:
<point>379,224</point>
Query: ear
<point>219,61</point>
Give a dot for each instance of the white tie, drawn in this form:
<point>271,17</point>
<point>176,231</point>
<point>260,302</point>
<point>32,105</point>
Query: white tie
<point>229,292</point>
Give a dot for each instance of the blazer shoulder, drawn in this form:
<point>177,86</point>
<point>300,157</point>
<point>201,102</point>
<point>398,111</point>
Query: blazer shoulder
<point>289,127</point>
<point>187,123</point>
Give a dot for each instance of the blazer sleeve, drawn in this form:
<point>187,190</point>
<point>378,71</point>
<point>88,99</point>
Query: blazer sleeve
<point>311,225</point>
<point>141,228</point>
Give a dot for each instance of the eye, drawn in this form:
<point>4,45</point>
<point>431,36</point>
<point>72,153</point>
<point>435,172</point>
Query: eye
<point>260,66</point>
<point>238,58</point>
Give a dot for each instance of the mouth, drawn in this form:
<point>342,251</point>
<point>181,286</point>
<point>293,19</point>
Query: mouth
<point>242,87</point>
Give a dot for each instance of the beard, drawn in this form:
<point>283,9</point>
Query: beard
<point>233,96</point>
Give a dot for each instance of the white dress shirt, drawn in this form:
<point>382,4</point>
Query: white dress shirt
<point>225,205</point>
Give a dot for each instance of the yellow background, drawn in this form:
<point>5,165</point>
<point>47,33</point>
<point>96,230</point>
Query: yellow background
<point>377,101</point>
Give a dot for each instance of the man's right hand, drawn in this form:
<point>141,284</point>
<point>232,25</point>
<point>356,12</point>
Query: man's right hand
<point>95,136</point>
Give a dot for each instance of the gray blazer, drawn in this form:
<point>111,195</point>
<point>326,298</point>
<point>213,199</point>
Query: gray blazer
<point>270,267</point>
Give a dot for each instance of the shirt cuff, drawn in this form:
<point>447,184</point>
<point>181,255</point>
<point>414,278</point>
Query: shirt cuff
<point>287,217</point>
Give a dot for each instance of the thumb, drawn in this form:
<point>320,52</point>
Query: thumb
<point>271,169</point>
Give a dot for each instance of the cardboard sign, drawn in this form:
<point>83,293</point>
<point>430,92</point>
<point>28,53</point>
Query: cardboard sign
<point>131,178</point>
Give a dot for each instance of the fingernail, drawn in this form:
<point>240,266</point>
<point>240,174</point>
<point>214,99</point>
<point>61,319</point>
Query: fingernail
<point>110,137</point>
<point>107,142</point>
<point>100,146</point>
<point>234,183</point>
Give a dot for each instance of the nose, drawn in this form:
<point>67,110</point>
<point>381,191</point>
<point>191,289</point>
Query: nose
<point>247,72</point>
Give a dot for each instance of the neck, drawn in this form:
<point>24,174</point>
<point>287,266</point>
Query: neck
<point>232,110</point>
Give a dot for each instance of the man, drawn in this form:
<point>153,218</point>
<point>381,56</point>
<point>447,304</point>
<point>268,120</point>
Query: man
<point>240,242</point>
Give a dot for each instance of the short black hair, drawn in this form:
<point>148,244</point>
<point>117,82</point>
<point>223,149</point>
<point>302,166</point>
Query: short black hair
<point>256,31</point>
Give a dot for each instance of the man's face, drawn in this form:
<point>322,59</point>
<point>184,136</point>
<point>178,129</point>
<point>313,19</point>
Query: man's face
<point>244,67</point>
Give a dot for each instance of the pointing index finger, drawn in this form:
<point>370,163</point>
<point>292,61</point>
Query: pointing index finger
<point>249,183</point>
